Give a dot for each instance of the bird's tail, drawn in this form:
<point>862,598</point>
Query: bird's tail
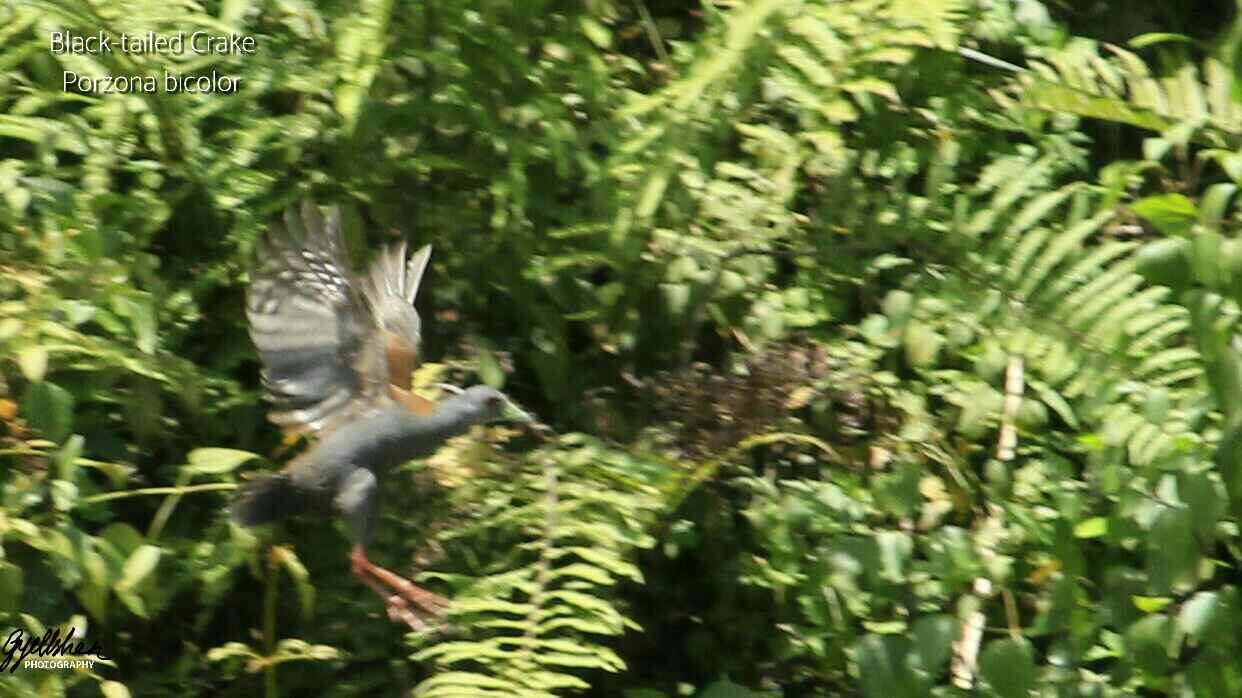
<point>266,499</point>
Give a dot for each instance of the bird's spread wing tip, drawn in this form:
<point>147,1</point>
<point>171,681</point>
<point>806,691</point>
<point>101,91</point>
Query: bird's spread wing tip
<point>414,270</point>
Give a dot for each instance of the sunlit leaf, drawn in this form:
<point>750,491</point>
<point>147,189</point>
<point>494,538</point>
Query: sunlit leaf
<point>216,461</point>
<point>1171,213</point>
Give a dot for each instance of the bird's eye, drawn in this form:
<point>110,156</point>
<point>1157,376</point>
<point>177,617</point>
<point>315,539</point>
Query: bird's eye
<point>493,402</point>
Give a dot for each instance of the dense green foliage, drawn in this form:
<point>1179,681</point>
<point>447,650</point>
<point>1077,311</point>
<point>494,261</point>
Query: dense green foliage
<point>876,365</point>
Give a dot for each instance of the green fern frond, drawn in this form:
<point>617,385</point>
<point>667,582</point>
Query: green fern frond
<point>536,619</point>
<point>826,61</point>
<point>1122,89</point>
<point>1078,312</point>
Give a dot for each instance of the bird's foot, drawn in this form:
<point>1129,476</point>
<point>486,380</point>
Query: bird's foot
<point>406,601</point>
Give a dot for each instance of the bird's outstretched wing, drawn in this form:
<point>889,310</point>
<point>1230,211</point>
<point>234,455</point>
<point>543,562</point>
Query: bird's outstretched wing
<point>390,288</point>
<point>332,344</point>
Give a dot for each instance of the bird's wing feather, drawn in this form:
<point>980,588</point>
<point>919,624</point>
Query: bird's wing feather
<point>326,350</point>
<point>390,289</point>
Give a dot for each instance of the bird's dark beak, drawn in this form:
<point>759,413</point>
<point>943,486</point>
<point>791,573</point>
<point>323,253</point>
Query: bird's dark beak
<point>512,413</point>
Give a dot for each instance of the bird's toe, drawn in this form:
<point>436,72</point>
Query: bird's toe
<point>400,612</point>
<point>428,601</point>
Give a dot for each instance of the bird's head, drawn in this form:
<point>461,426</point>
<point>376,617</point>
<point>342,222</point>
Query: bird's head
<point>490,405</point>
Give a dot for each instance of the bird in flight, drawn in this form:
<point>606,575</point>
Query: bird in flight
<point>338,350</point>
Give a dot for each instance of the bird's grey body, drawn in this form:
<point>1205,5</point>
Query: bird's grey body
<point>344,468</point>
<point>380,440</point>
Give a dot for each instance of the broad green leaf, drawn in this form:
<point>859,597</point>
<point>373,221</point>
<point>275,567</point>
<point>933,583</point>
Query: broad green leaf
<point>677,296</point>
<point>34,625</point>
<point>1156,407</point>
<point>1058,403</point>
<point>64,494</point>
<point>1147,643</point>
<point>922,345</point>
<point>216,461</point>
<point>875,329</point>
<point>124,537</point>
<point>33,362</point>
<point>138,566</point>
<point>1172,214</point>
<point>133,601</point>
<point>113,689</point>
<point>1207,252</point>
<point>1173,553</point>
<point>1032,415</point>
<point>891,627</point>
<point>9,328</point>
<point>1152,604</point>
<point>11,587</point>
<point>898,492</point>
<point>1093,527</point>
<point>1214,203</point>
<point>93,593</point>
<point>724,688</point>
<point>1199,612</point>
<point>895,548</point>
<point>933,639</point>
<point>596,32</point>
<point>897,307</point>
<point>878,667</point>
<point>229,651</point>
<point>67,456</point>
<point>1208,676</point>
<point>1008,665</point>
<point>300,576</point>
<point>1165,262</point>
<point>1153,38</point>
<point>490,370</point>
<point>652,195</point>
<point>49,409</point>
<point>1205,495</point>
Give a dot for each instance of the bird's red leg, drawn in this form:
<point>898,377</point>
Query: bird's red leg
<point>398,592</point>
<point>398,608</point>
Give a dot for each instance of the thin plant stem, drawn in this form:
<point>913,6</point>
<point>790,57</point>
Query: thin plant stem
<point>653,34</point>
<point>149,491</point>
<point>166,509</point>
<point>269,624</point>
